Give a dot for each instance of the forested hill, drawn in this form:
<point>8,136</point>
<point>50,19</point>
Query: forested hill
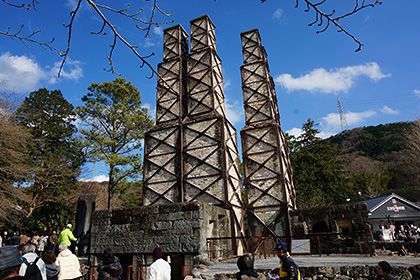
<point>383,158</point>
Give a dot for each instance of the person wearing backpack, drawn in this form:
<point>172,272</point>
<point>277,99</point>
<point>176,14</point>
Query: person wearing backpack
<point>33,267</point>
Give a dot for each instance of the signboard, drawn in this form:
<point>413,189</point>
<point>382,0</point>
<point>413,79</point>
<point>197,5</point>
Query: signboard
<point>301,246</point>
<point>395,208</point>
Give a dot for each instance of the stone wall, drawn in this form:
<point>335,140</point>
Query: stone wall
<point>178,228</point>
<point>341,273</point>
<point>334,229</point>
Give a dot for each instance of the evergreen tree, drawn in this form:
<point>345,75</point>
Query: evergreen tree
<point>318,174</point>
<point>55,154</point>
<point>115,126</point>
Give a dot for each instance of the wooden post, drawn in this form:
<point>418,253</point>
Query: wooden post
<point>185,271</point>
<point>318,239</point>
<point>134,267</point>
<point>129,268</point>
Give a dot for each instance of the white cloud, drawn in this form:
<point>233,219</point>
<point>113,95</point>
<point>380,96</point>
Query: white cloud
<point>74,73</point>
<point>99,178</point>
<point>296,131</point>
<point>78,123</point>
<point>71,4</point>
<point>234,111</point>
<point>151,110</point>
<point>278,13</point>
<point>417,92</point>
<point>19,73</point>
<point>22,74</point>
<point>326,134</point>
<point>333,80</point>
<point>148,43</point>
<point>226,84</point>
<point>389,111</point>
<point>332,122</point>
<point>158,31</point>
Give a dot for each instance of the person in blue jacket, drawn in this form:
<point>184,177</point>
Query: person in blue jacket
<point>288,269</point>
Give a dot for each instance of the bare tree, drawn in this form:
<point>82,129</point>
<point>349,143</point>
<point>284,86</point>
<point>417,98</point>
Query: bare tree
<point>150,15</point>
<point>323,19</point>
<point>14,166</point>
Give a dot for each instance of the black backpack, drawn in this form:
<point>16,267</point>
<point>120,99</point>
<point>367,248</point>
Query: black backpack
<point>32,270</point>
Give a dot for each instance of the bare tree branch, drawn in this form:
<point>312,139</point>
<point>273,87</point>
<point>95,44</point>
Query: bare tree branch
<point>151,21</point>
<point>21,5</point>
<point>29,38</point>
<point>325,19</point>
<point>69,33</point>
<point>322,19</point>
<point>321,16</point>
<point>118,36</point>
<point>110,62</point>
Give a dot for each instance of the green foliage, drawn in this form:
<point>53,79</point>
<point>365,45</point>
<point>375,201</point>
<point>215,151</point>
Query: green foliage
<point>55,154</point>
<point>373,141</point>
<point>116,124</point>
<point>130,194</point>
<point>318,174</point>
<point>52,216</point>
<point>370,184</point>
<point>381,158</point>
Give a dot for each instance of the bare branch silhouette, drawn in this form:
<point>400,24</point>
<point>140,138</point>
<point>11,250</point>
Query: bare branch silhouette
<point>146,21</point>
<point>69,34</point>
<point>144,25</point>
<point>21,5</point>
<point>118,36</point>
<point>324,19</point>
<point>29,38</point>
<point>151,22</point>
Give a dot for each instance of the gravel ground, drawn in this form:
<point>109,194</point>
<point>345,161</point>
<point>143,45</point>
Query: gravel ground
<point>229,266</point>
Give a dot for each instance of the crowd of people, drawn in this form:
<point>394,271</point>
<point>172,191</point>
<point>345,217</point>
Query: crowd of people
<point>50,258</point>
<point>40,257</point>
<point>53,260</point>
<point>49,242</point>
<point>402,233</point>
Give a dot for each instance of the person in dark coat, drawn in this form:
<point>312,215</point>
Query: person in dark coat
<point>52,243</point>
<point>246,269</point>
<point>51,267</point>
<point>288,269</point>
<point>10,262</point>
<point>110,267</point>
<point>383,270</point>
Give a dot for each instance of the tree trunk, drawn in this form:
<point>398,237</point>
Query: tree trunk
<point>110,185</point>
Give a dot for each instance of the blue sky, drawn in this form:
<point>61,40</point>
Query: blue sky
<point>378,85</point>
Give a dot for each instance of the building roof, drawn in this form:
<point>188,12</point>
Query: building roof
<point>373,202</point>
<point>382,203</point>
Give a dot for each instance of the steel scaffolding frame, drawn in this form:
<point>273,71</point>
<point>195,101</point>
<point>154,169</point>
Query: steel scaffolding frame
<point>267,166</point>
<point>191,154</point>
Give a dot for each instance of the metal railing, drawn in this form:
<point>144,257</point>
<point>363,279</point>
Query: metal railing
<point>320,243</point>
